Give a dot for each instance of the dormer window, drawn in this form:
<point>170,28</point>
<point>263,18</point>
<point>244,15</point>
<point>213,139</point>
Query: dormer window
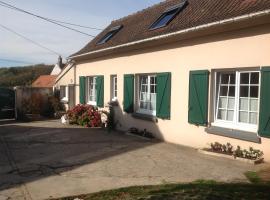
<point>168,15</point>
<point>110,34</point>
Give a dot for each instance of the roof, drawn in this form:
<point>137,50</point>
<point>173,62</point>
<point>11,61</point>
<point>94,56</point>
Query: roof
<point>197,13</point>
<point>44,81</point>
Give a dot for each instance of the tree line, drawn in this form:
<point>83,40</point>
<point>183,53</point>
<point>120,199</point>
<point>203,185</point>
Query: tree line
<point>23,76</point>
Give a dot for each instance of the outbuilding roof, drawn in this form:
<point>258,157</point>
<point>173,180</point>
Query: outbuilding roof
<point>44,81</point>
<point>135,27</point>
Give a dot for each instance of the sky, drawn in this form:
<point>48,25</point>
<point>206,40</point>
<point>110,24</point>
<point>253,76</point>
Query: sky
<point>93,13</point>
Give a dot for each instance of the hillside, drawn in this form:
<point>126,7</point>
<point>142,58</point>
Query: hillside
<point>22,76</point>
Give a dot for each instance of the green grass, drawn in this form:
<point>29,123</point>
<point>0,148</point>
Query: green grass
<point>253,177</point>
<point>199,190</point>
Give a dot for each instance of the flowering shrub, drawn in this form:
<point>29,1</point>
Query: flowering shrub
<point>84,115</point>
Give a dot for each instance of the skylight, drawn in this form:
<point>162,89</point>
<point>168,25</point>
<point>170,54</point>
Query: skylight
<point>109,35</point>
<point>168,15</point>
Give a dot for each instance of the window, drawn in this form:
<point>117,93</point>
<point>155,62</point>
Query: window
<point>147,94</point>
<point>64,93</point>
<point>237,99</point>
<point>91,91</point>
<point>114,87</point>
<point>168,16</point>
<point>109,35</point>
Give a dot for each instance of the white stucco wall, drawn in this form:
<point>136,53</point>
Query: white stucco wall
<point>238,49</point>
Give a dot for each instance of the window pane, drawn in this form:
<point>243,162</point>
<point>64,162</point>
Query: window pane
<point>244,91</point>
<point>243,117</point>
<point>143,96</point>
<point>244,78</point>
<point>254,78</point>
<point>144,80</point>
<point>244,104</point>
<point>144,88</point>
<point>223,91</point>
<point>230,115</point>
<point>222,114</point>
<point>153,89</point>
<point>231,102</point>
<point>232,78</point>
<point>153,102</point>
<point>253,118</point>
<point>143,105</point>
<point>253,105</point>
<point>153,80</point>
<point>254,91</point>
<point>164,19</point>
<point>223,102</point>
<point>228,78</point>
<point>225,78</point>
<point>232,91</point>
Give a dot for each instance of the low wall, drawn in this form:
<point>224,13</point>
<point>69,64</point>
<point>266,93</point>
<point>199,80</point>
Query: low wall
<point>27,97</point>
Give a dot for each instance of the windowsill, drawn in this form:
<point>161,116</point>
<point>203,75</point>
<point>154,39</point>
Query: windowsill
<point>64,100</point>
<point>92,103</point>
<point>234,133</point>
<point>145,117</point>
<point>240,126</point>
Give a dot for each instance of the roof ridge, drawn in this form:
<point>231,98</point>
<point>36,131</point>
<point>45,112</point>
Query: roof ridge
<point>140,11</point>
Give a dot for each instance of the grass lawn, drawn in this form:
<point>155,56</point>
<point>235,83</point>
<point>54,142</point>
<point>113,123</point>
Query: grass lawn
<point>199,190</point>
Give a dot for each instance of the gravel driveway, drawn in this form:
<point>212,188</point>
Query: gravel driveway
<point>42,160</point>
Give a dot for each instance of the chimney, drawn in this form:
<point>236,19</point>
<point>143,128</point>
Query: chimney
<point>60,63</point>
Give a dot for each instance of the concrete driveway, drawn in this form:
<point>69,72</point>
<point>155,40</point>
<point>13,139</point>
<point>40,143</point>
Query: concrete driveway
<point>42,160</point>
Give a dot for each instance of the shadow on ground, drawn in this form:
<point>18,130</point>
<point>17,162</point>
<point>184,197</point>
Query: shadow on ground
<point>32,151</point>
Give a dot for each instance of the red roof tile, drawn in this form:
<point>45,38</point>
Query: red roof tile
<point>44,81</point>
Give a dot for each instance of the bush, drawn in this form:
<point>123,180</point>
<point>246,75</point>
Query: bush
<point>251,153</point>
<point>84,115</point>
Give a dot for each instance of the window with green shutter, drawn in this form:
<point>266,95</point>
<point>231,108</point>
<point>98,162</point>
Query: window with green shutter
<point>264,119</point>
<point>82,89</point>
<point>129,93</point>
<point>100,91</point>
<point>163,101</point>
<point>198,97</point>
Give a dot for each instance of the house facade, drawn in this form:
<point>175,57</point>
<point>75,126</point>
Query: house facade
<point>190,72</point>
<point>65,84</point>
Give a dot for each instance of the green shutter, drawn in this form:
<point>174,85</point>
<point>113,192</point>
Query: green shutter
<point>163,96</point>
<point>100,91</point>
<point>128,93</point>
<point>82,90</point>
<point>198,97</point>
<point>264,121</point>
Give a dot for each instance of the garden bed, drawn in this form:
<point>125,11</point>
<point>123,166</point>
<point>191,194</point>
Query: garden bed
<point>224,155</point>
<point>144,134</point>
<point>253,156</point>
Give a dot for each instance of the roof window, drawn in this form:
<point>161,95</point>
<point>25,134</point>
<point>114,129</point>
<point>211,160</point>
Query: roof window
<point>168,15</point>
<point>110,34</point>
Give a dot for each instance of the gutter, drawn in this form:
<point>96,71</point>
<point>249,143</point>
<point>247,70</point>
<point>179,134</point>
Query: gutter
<point>196,28</point>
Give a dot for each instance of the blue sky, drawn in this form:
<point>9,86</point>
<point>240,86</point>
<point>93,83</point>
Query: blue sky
<point>95,13</point>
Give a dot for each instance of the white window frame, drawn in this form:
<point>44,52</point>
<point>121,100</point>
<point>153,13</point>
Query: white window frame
<point>114,87</point>
<point>88,90</point>
<point>65,98</point>
<point>141,110</point>
<point>235,124</point>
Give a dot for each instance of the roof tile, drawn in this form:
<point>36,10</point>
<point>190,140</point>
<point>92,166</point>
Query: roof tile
<point>198,12</point>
